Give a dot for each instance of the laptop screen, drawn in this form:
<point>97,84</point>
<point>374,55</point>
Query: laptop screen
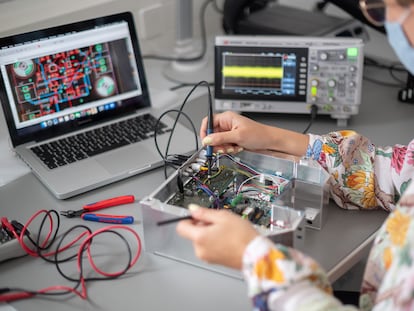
<point>57,80</point>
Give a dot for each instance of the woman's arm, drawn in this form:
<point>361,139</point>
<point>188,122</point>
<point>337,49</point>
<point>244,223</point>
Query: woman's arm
<point>363,176</point>
<point>281,278</point>
<point>233,133</point>
<point>278,277</point>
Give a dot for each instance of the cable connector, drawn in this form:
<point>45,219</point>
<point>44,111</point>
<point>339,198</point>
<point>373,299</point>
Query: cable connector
<point>5,223</point>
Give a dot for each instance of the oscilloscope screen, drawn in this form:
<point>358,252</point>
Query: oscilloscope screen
<point>259,73</point>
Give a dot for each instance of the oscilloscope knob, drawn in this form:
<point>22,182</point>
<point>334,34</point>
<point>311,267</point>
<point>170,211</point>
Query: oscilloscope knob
<point>323,56</point>
<point>352,84</point>
<point>315,82</point>
<point>331,83</point>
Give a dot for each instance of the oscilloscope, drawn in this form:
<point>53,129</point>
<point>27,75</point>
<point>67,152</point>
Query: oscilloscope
<point>288,74</point>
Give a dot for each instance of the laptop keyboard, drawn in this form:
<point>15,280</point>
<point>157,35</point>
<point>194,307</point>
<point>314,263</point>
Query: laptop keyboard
<point>97,141</point>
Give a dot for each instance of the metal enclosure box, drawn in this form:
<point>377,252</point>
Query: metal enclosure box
<point>302,204</point>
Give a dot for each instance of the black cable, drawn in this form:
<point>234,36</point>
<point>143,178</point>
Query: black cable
<point>313,114</point>
<point>203,52</point>
<point>179,113</point>
<point>39,248</point>
<point>369,61</point>
<point>383,83</point>
<point>156,128</point>
<point>84,249</point>
<point>167,164</point>
<point>78,280</point>
<point>56,261</point>
<point>181,85</point>
<point>392,68</point>
<point>165,157</point>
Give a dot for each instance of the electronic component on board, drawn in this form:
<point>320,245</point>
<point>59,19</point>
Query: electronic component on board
<point>230,184</point>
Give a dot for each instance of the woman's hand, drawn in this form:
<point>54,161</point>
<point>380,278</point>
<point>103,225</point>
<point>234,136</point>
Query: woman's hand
<point>218,236</point>
<point>233,133</point>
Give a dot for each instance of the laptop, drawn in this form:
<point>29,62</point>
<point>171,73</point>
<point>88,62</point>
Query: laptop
<point>64,87</point>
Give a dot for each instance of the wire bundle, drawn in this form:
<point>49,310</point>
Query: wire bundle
<point>178,160</point>
<point>82,244</point>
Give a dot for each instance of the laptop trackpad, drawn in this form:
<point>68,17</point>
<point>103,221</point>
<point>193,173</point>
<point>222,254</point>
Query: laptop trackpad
<point>125,161</point>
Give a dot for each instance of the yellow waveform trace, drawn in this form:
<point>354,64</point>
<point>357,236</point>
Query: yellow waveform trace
<point>252,72</point>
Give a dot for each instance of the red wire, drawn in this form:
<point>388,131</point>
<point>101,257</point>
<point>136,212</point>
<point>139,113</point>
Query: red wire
<point>92,262</point>
<point>46,240</point>
<point>85,245</point>
<point>15,296</point>
<point>24,230</point>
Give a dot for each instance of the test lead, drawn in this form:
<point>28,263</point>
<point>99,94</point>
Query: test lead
<point>173,220</point>
<point>210,130</point>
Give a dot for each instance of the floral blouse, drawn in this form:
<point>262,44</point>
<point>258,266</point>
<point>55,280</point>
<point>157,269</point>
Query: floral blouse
<point>363,177</point>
